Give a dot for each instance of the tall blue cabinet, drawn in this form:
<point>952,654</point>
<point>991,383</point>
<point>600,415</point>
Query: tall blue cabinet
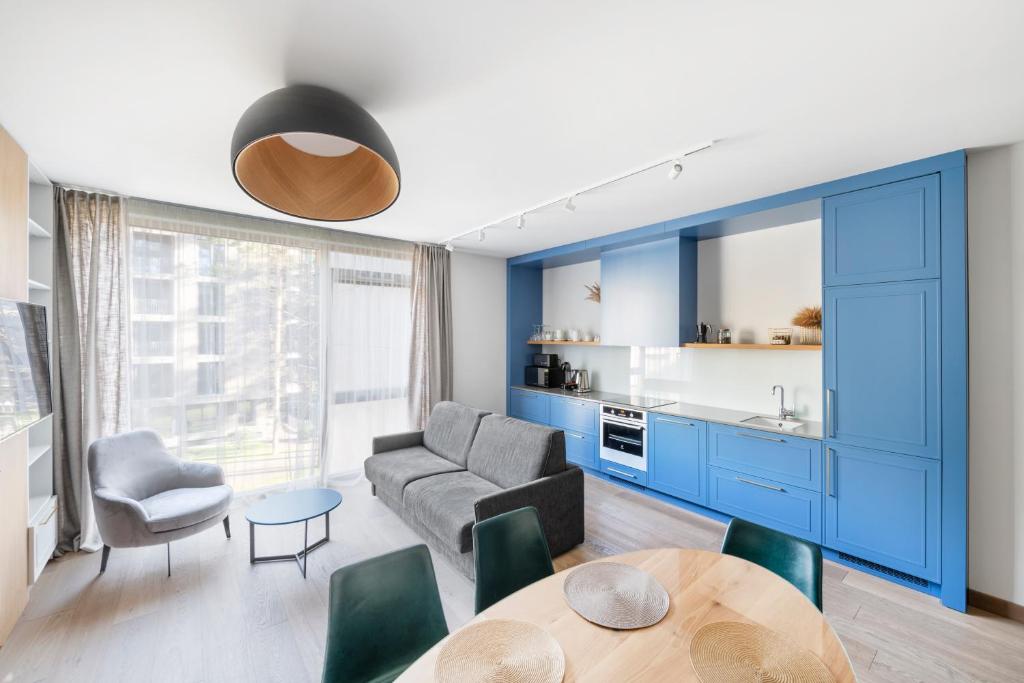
<point>883,375</point>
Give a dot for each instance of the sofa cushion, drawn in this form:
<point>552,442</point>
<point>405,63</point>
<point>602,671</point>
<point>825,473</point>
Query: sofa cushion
<point>509,452</point>
<point>445,504</point>
<point>450,430</point>
<point>392,471</point>
<point>180,508</point>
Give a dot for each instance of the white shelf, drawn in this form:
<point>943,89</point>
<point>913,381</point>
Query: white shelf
<point>37,452</point>
<point>39,507</point>
<point>33,284</point>
<point>36,230</point>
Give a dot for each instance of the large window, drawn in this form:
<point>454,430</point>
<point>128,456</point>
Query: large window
<point>230,327</point>
<point>225,352</point>
<point>370,335</point>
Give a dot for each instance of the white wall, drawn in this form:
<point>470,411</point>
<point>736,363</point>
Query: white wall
<point>995,218</point>
<point>478,322</point>
<point>748,282</point>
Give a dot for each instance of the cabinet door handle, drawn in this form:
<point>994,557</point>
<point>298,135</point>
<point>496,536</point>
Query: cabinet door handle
<point>760,438</point>
<point>764,486</point>
<point>830,423</point>
<point>620,472</point>
<point>675,422</point>
<point>828,471</point>
<point>575,436</point>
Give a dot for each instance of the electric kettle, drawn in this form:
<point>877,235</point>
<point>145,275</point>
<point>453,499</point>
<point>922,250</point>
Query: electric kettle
<point>582,382</point>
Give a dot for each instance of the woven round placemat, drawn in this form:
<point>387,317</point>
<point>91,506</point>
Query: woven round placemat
<point>500,650</point>
<point>616,595</point>
<point>736,652</point>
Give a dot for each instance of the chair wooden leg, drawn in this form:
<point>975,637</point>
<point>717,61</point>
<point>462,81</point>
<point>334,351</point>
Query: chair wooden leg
<point>227,527</point>
<point>106,556</point>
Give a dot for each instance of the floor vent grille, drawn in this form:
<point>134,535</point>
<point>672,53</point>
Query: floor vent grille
<point>882,569</point>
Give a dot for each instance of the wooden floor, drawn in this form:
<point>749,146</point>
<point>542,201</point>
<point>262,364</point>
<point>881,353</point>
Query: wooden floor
<point>218,619</point>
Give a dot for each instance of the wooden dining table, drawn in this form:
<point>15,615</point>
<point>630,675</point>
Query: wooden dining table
<point>703,587</point>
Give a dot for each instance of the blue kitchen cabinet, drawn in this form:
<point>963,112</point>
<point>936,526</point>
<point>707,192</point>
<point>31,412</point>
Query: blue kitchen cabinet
<point>882,367</point>
<point>581,448</point>
<point>777,457</point>
<point>886,233</point>
<point>573,414</point>
<point>530,405</point>
<point>676,457</point>
<point>617,471</point>
<point>770,503</point>
<point>649,293</point>
<point>884,508</point>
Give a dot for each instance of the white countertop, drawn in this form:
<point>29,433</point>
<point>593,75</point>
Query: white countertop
<point>735,418</point>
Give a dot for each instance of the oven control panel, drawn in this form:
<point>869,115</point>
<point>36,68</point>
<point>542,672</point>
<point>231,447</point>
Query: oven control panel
<point>622,413</point>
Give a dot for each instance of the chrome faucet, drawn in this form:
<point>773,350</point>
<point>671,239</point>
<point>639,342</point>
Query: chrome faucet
<point>784,414</point>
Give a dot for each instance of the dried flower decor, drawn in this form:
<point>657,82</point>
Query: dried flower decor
<point>809,316</point>
<point>594,292</point>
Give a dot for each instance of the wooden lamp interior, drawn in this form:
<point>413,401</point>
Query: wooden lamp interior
<point>343,188</point>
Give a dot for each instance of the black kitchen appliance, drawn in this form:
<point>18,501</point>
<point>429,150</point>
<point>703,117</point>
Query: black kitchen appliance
<point>537,376</point>
<point>545,360</point>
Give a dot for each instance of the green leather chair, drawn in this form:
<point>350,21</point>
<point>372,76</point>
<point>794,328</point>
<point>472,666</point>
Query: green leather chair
<point>383,613</point>
<point>794,559</point>
<point>511,553</point>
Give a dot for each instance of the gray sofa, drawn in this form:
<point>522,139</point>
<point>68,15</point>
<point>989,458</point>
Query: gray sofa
<point>468,466</point>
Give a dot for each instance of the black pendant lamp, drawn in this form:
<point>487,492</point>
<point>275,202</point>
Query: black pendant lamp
<point>313,153</point>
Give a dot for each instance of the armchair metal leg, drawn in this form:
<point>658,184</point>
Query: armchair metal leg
<point>168,560</point>
<point>106,556</point>
<point>227,527</point>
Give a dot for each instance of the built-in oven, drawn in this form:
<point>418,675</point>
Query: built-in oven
<point>624,436</point>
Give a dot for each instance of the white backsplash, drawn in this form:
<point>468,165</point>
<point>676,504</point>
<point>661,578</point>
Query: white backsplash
<point>740,380</point>
<point>750,282</point>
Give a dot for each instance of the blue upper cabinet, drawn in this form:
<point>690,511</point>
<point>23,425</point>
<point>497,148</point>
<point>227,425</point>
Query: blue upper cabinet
<point>887,233</point>
<point>882,367</point>
<point>677,457</point>
<point>649,293</point>
<point>884,508</point>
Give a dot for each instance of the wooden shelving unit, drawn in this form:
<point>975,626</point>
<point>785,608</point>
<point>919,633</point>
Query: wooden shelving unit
<point>563,343</point>
<point>755,347</point>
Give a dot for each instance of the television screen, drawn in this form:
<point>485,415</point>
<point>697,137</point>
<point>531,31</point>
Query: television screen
<point>24,366</point>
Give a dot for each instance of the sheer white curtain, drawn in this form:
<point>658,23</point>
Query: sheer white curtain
<point>272,349</point>
<point>367,351</point>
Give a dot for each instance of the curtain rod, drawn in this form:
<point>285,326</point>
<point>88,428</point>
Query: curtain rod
<point>334,233</point>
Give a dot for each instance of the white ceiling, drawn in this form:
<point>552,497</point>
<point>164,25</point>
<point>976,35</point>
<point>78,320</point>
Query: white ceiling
<point>497,106</point>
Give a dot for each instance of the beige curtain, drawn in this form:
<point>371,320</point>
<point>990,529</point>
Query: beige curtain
<point>91,377</point>
<point>430,366</point>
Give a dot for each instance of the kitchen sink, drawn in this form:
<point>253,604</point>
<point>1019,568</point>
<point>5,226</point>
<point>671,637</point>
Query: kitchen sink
<point>773,423</point>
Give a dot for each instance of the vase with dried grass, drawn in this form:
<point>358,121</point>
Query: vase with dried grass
<point>808,323</point>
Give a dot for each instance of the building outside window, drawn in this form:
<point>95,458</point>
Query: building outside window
<point>225,352</point>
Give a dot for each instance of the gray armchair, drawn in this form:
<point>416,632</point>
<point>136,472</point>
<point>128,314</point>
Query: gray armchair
<point>144,496</point>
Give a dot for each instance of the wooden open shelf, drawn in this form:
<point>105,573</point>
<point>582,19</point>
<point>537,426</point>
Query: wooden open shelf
<point>759,347</point>
<point>564,342</point>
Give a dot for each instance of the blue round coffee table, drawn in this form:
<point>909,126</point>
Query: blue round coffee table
<point>291,508</point>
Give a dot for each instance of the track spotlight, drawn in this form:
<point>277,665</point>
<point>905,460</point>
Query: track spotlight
<point>521,223</point>
<point>569,206</point>
<point>480,235</point>
<point>675,169</point>
<point>449,246</point>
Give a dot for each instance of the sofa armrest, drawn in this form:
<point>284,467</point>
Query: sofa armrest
<point>393,442</point>
<point>559,500</point>
<point>195,475</point>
